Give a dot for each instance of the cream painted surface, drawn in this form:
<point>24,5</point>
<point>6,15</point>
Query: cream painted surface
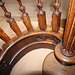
<point>31,7</point>
<point>31,63</point>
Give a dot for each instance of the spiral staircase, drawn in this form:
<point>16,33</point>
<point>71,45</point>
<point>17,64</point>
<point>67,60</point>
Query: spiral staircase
<point>44,36</point>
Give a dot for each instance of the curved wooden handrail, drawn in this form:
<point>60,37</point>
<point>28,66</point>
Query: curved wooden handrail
<point>15,50</point>
<point>26,36</point>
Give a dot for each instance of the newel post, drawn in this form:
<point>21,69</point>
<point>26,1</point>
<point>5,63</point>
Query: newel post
<point>65,51</point>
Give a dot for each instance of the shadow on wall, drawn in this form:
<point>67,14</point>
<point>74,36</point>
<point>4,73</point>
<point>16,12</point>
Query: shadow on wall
<point>45,73</point>
<point>48,3</point>
<point>14,1</point>
<point>33,73</point>
<point>38,73</point>
<point>31,7</point>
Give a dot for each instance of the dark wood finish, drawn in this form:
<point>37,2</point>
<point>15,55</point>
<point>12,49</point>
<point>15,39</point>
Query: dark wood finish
<point>56,16</point>
<point>4,36</point>
<point>65,60</point>
<point>0,51</point>
<point>11,21</point>
<point>40,39</point>
<point>66,52</point>
<point>34,37</point>
<point>32,46</point>
<point>2,5</point>
<point>14,27</point>
<point>13,53</point>
<point>25,17</point>
<point>41,16</point>
<point>27,22</point>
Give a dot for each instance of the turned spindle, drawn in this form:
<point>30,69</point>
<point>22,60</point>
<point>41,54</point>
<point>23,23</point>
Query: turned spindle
<point>65,51</point>
<point>56,16</point>
<point>11,21</point>
<point>25,17</point>
<point>41,16</point>
<point>4,36</point>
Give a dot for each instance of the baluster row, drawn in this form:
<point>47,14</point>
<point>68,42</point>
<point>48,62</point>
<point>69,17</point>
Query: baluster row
<point>41,19</point>
<point>11,21</point>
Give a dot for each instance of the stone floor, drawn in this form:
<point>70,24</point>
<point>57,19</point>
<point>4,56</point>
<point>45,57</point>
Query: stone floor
<point>52,67</point>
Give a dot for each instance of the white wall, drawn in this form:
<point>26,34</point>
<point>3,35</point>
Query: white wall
<point>31,8</point>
